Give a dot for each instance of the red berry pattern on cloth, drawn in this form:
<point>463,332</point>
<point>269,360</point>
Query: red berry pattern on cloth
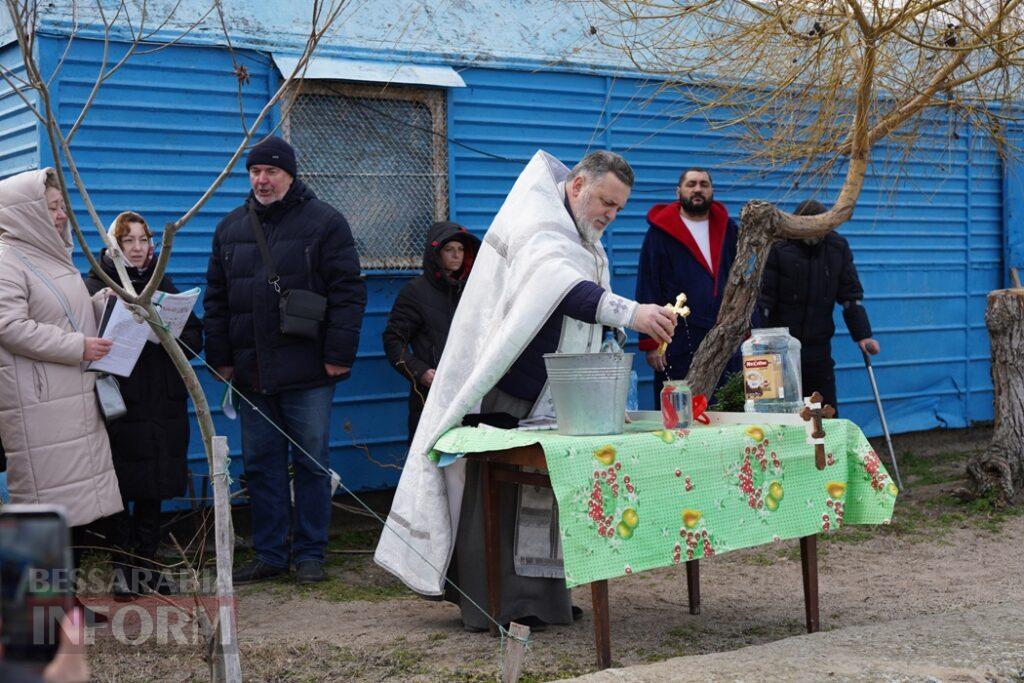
<point>693,534</point>
<point>613,497</point>
<point>759,474</point>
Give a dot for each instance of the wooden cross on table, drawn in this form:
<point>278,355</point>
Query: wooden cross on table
<point>679,309</point>
<point>816,414</point>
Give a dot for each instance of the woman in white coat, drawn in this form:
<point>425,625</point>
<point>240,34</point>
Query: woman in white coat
<point>50,424</point>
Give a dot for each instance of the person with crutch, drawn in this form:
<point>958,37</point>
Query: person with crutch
<point>803,281</point>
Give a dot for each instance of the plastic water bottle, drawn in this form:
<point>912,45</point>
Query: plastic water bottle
<point>771,372</point>
<point>611,345</point>
<point>633,398</point>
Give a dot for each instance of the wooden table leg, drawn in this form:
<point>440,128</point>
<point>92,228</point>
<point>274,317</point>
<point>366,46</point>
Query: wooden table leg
<point>809,563</point>
<point>492,544</point>
<point>693,585</point>
<point>602,632</point>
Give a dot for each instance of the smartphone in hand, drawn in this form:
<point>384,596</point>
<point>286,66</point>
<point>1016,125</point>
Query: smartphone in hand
<point>35,580</point>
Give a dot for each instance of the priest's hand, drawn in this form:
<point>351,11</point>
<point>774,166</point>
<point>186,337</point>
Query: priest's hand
<point>427,378</point>
<point>655,321</point>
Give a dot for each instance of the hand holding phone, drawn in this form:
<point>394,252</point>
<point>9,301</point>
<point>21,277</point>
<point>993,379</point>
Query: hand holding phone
<point>35,581</point>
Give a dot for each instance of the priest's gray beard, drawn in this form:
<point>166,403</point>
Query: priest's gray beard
<point>589,233</point>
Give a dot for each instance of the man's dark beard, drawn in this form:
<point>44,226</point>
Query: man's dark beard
<point>696,209</point>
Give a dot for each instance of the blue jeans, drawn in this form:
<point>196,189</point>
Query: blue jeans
<point>305,415</point>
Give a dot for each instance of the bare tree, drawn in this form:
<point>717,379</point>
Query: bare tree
<point>33,89</point>
<point>815,84</point>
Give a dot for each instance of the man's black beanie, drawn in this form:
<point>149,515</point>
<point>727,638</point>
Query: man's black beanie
<point>273,152</point>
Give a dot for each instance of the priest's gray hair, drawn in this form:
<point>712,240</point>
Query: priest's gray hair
<point>596,164</point>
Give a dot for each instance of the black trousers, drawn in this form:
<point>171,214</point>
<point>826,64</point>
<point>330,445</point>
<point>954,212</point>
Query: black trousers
<point>819,375</point>
<point>137,533</point>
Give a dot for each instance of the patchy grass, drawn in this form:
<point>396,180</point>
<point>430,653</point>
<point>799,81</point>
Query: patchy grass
<point>927,470</point>
<point>759,559</point>
<point>850,534</point>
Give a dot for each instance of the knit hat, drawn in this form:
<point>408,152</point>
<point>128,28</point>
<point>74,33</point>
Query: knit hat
<point>273,152</point>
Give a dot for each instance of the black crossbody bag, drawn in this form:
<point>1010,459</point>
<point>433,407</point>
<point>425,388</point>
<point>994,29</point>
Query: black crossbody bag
<point>302,311</point>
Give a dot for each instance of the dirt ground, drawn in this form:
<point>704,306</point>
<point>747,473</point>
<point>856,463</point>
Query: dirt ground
<point>937,556</point>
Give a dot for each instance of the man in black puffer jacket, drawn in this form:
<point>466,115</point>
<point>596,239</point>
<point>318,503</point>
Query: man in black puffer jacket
<point>424,309</point>
<point>803,281</point>
<point>288,378</point>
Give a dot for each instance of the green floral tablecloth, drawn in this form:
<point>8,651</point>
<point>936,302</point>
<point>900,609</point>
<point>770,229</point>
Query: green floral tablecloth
<point>652,498</point>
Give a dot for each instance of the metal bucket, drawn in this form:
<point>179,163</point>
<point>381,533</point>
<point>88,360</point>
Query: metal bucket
<point>589,391</point>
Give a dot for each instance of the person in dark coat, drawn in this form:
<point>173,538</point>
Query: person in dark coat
<point>287,378</point>
<point>803,281</point>
<point>689,248</point>
<point>150,443</point>
<point>424,309</point>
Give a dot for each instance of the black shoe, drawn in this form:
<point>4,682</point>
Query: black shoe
<point>257,570</point>
<point>577,613</point>
<point>535,623</point>
<point>310,571</point>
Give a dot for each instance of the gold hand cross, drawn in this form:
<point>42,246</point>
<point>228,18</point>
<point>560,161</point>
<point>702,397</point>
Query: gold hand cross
<point>680,310</point>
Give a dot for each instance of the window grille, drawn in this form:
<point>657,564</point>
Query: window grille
<point>378,155</point>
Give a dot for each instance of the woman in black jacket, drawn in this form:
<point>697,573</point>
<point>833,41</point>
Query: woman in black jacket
<point>150,443</point>
<point>424,309</point>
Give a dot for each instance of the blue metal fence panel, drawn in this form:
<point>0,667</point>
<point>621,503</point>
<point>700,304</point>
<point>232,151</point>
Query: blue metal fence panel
<point>19,127</point>
<point>927,233</point>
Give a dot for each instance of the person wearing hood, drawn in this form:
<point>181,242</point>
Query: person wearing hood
<point>423,311</point>
<point>283,246</point>
<point>150,443</point>
<point>689,248</point>
<point>56,441</point>
<point>803,281</point>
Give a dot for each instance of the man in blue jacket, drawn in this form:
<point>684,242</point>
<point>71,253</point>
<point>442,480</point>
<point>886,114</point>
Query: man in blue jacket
<point>289,378</point>
<point>689,248</point>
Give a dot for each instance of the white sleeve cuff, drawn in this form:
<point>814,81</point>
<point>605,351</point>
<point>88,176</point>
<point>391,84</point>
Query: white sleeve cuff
<point>616,311</point>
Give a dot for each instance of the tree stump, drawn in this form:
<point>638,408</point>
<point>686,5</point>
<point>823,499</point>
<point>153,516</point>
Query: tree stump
<point>999,469</point>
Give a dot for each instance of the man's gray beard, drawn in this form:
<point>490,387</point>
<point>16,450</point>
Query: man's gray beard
<point>588,233</point>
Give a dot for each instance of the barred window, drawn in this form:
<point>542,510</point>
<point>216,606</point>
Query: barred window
<point>377,155</point>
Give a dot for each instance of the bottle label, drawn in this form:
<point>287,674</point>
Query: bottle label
<point>762,377</point>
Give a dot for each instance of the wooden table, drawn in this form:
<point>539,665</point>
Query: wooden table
<point>504,466</point>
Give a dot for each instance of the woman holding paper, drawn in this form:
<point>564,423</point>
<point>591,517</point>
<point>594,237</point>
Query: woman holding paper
<point>150,443</point>
<point>50,424</point>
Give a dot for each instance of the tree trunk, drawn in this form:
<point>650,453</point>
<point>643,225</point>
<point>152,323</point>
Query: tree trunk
<point>759,229</point>
<point>999,470</point>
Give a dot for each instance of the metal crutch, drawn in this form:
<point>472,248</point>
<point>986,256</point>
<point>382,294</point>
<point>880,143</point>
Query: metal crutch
<point>881,416</point>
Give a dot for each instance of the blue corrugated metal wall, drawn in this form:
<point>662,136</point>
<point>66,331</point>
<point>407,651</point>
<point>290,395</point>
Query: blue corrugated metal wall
<point>19,134</point>
<point>928,245</point>
<point>157,135</point>
<point>926,235</point>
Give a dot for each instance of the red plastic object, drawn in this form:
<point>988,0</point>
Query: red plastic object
<point>700,404</point>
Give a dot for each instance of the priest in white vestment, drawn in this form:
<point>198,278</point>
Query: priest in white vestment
<point>540,283</point>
